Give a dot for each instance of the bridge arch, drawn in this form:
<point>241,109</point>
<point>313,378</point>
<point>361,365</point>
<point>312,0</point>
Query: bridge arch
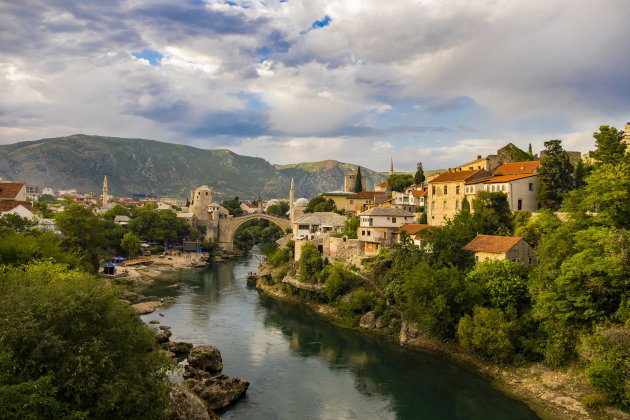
<point>228,227</point>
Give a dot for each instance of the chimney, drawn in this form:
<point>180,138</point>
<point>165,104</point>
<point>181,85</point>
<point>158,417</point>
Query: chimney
<point>478,157</point>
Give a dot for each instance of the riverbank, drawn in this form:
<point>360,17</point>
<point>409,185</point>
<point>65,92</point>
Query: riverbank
<point>552,394</point>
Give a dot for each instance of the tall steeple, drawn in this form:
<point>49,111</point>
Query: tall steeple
<point>105,197</point>
<point>291,202</point>
<point>391,166</point>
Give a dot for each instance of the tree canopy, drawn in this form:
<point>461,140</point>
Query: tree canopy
<point>555,175</point>
<point>398,182</point>
<point>419,176</point>
<point>320,204</point>
<point>492,214</point>
<point>358,183</point>
<point>611,148</point>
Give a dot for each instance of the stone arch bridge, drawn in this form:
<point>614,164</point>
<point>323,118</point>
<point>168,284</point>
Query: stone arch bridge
<point>228,227</point>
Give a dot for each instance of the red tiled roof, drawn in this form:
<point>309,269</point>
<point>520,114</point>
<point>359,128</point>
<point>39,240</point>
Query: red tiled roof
<point>517,168</point>
<point>417,193</point>
<point>412,228</point>
<point>506,178</point>
<point>8,205</point>
<point>10,189</point>
<point>454,176</point>
<point>382,184</point>
<point>492,244</point>
<point>364,194</point>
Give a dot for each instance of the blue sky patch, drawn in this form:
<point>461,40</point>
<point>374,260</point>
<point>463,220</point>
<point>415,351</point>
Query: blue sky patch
<point>321,23</point>
<point>153,57</point>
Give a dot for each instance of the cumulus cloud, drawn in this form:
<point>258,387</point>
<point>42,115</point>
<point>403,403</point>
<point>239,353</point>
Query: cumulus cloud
<point>294,81</point>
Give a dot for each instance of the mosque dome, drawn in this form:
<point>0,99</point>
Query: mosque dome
<point>301,201</point>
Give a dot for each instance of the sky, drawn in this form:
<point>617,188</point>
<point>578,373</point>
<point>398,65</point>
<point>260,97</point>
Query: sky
<point>359,81</point>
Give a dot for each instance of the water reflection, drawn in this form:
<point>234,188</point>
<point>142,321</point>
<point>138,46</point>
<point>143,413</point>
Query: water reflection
<point>300,366</point>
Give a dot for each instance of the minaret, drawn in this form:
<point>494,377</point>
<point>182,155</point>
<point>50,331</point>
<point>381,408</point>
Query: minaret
<point>291,202</point>
<point>391,166</point>
<point>105,191</point>
<point>626,136</point>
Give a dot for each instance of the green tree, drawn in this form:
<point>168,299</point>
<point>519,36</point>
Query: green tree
<point>350,227</point>
<point>492,214</point>
<point>336,283</point>
<point>16,222</point>
<point>320,204</point>
<point>21,248</point>
<point>82,231</point>
<point>130,243</point>
<point>233,206</point>
<point>503,284</point>
<point>554,175</point>
<point>69,332</point>
<point>117,210</point>
<point>45,212</point>
<point>437,297</point>
<point>611,147</point>
<point>606,196</point>
<point>310,263</point>
<point>487,333</point>
<point>419,176</point>
<point>398,182</point>
<point>465,204</point>
<point>579,174</point>
<point>444,246</point>
<point>358,183</point>
<point>279,209</point>
<point>46,197</point>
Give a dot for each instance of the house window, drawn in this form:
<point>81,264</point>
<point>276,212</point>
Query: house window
<point>384,235</point>
<point>444,205</point>
<point>477,258</point>
<point>493,188</point>
<point>531,186</point>
<point>520,204</point>
<point>530,260</point>
<point>351,201</point>
<point>457,190</point>
<point>368,233</point>
<point>433,190</point>
<point>393,220</point>
<point>445,190</point>
<point>456,204</point>
<point>362,233</point>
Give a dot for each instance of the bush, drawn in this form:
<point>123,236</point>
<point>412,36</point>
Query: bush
<point>487,333</point>
<point>69,333</point>
<point>279,257</point>
<point>310,263</point>
<point>336,283</point>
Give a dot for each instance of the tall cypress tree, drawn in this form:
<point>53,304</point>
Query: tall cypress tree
<point>419,177</point>
<point>555,175</point>
<point>358,184</point>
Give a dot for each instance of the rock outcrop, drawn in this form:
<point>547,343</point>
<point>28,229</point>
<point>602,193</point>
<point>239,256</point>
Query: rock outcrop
<point>184,405</point>
<point>206,358</point>
<point>219,391</point>
<point>177,347</point>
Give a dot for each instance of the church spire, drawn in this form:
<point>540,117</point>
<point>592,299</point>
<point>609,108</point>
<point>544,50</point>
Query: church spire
<point>391,166</point>
<point>105,190</point>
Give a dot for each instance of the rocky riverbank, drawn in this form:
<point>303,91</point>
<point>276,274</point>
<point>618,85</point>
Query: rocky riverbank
<point>552,394</point>
<point>204,389</point>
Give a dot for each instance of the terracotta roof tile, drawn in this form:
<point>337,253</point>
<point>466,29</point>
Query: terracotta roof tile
<point>417,193</point>
<point>507,178</point>
<point>10,189</point>
<point>412,228</point>
<point>8,205</point>
<point>382,184</point>
<point>517,168</point>
<point>492,244</point>
<point>364,194</point>
<point>456,176</point>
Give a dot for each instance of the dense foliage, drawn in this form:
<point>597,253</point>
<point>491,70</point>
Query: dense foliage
<point>398,182</point>
<point>320,204</point>
<point>419,178</point>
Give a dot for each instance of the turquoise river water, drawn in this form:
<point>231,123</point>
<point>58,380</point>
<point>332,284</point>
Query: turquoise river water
<point>302,367</point>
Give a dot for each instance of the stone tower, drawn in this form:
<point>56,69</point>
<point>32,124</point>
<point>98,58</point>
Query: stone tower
<point>291,202</point>
<point>201,200</point>
<point>105,197</point>
<point>391,166</point>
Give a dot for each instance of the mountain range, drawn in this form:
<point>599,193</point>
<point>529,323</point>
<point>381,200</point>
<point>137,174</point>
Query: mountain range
<point>147,166</point>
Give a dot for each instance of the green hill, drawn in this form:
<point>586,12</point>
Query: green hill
<point>147,166</point>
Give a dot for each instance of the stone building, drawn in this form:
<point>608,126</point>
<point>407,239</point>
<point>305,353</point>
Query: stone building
<point>204,212</point>
<point>446,192</point>
<point>350,180</point>
<point>490,247</point>
<point>378,227</point>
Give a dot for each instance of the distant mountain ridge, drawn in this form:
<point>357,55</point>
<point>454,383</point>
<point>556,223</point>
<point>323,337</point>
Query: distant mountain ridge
<point>149,166</point>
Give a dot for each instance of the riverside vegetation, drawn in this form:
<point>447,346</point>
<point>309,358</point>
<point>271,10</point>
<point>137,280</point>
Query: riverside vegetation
<point>572,310</point>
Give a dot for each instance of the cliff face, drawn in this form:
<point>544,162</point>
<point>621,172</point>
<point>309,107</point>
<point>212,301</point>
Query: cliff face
<point>148,166</point>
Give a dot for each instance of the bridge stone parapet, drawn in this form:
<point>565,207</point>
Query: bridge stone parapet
<point>228,227</point>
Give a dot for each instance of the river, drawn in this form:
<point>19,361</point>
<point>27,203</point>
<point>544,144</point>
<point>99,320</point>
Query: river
<point>302,367</point>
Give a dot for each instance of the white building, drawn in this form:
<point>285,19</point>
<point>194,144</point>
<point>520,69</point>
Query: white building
<point>313,224</point>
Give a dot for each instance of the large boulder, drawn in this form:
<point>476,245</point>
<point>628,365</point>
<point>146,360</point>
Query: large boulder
<point>184,405</point>
<point>206,358</point>
<point>219,391</point>
<point>177,347</point>
<point>161,338</point>
<point>368,321</point>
